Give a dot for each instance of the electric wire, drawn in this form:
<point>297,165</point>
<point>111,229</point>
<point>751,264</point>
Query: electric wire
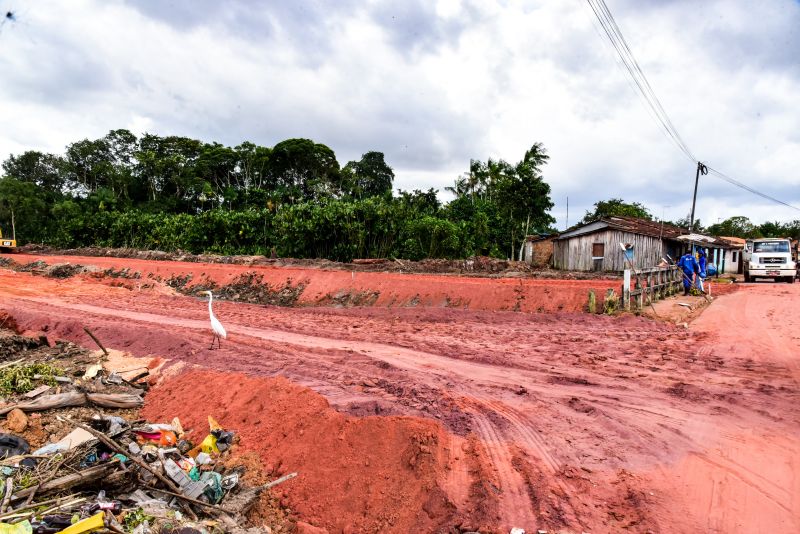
<point>630,80</point>
<point>610,17</point>
<point>631,65</point>
<point>739,184</point>
<point>623,50</point>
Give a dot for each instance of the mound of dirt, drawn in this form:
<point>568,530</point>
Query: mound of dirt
<point>370,474</point>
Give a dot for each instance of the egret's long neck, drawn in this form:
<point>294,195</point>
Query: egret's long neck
<point>210,298</point>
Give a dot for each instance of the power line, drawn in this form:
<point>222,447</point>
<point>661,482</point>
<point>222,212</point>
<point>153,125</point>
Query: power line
<point>739,184</point>
<point>609,26</point>
<point>649,88</point>
<point>623,50</point>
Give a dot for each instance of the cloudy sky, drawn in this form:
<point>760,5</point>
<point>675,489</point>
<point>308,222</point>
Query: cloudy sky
<point>431,84</point>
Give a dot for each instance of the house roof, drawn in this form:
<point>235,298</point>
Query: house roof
<point>540,237</point>
<point>734,241</point>
<point>633,225</point>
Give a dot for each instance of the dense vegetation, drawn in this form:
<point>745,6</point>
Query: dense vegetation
<point>175,193</point>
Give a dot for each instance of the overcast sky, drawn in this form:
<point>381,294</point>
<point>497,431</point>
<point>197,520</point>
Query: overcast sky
<point>431,84</point>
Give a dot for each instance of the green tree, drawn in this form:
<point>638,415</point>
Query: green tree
<point>167,165</point>
<point>684,223</point>
<point>368,177</point>
<point>511,199</point>
<point>29,203</point>
<point>304,170</point>
<point>738,226</point>
<point>617,207</point>
<point>252,166</point>
<point>44,170</point>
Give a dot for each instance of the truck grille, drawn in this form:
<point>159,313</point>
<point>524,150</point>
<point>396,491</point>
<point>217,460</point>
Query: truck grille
<point>773,261</point>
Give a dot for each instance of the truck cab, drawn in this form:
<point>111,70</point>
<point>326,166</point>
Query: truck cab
<point>6,244</point>
<point>769,258</point>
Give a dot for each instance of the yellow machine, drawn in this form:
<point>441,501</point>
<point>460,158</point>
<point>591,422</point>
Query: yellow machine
<point>7,245</point>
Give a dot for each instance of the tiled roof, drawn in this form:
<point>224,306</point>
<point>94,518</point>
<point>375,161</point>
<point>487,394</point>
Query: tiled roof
<point>636,225</point>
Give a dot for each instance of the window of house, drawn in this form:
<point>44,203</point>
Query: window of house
<point>598,250</point>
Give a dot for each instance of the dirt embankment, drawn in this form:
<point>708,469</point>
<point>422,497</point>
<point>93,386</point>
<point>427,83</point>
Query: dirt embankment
<point>562,421</point>
<point>294,286</point>
<point>475,266</point>
<point>357,474</point>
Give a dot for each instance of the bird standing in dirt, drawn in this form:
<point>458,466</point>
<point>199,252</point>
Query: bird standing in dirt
<point>216,326</point>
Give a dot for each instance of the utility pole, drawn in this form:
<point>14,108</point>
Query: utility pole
<point>701,169</point>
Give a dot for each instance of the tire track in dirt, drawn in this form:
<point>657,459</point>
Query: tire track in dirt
<point>514,501</point>
<point>735,470</point>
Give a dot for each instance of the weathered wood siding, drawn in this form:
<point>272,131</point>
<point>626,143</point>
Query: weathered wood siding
<point>575,253</point>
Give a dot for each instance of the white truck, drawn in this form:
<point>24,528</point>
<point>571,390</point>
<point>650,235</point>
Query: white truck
<point>768,258</point>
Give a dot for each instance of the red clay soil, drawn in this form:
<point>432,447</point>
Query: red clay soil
<point>357,474</point>
<point>566,421</point>
<point>333,287</point>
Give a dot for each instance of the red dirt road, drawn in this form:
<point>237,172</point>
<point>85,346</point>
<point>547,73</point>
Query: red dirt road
<point>548,420</point>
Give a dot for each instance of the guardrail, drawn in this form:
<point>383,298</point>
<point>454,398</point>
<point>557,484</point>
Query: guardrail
<point>656,283</point>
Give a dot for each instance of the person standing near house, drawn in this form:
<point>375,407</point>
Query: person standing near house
<point>688,264</point>
<point>702,262</point>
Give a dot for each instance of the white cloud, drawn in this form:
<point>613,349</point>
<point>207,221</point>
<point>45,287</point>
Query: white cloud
<point>431,85</point>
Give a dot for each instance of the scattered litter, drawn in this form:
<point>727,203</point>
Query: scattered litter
<point>77,398</point>
<point>93,370</point>
<point>62,379</point>
<point>90,524</point>
<point>74,439</point>
<point>102,471</point>
<point>11,445</point>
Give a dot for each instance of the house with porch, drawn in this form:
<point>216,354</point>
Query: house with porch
<point>612,243</point>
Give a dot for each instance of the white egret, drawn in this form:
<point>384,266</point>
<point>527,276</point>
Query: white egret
<point>216,326</point>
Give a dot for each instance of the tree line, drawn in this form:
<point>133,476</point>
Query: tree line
<point>293,199</point>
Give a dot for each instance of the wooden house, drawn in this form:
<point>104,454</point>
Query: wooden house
<point>595,246</point>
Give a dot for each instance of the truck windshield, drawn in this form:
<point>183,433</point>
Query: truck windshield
<point>771,246</point>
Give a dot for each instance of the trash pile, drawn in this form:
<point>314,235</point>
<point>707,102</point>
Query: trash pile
<point>151,479</point>
<point>110,471</point>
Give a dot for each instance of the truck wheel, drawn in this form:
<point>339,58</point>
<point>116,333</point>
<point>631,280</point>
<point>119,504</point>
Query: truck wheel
<point>747,278</point>
<point>790,279</point>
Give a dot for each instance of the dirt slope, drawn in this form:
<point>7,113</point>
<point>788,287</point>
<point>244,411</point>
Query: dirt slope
<point>339,288</point>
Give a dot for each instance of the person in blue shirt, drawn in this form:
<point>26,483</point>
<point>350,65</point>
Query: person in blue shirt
<point>702,262</point>
<point>688,264</point>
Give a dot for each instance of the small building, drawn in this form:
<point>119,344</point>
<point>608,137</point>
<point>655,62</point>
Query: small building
<point>538,250</point>
<point>731,260</point>
<point>595,246</point>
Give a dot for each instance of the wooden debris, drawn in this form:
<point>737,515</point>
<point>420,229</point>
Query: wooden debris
<point>96,340</point>
<point>38,391</point>
<point>77,398</point>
